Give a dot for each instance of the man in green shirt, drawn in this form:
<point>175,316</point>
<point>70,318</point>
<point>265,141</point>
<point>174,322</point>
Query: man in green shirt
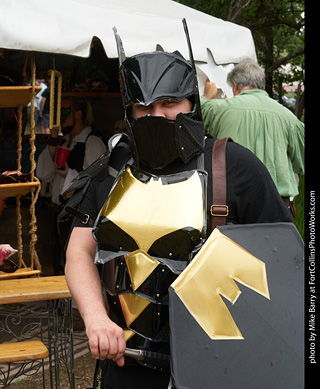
<point>272,132</point>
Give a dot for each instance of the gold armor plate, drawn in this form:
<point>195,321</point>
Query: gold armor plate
<point>150,210</point>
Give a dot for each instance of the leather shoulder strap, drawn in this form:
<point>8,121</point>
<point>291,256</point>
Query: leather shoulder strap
<point>219,209</point>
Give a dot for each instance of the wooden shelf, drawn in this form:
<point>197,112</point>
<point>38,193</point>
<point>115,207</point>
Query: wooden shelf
<point>19,273</point>
<point>33,289</point>
<point>13,96</point>
<point>22,351</point>
<point>18,189</point>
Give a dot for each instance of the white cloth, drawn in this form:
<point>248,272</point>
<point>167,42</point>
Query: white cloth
<point>46,167</point>
<point>39,95</point>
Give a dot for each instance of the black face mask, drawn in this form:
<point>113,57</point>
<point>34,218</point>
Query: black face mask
<point>160,141</point>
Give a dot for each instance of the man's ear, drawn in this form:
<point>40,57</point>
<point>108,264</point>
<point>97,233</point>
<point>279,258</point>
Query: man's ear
<point>236,90</point>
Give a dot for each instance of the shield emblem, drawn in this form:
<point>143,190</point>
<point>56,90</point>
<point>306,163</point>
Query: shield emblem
<point>266,348</point>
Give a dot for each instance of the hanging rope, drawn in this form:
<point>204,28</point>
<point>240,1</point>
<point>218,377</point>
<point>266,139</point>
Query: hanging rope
<point>35,263</point>
<point>19,153</point>
<point>24,69</point>
<point>18,202</point>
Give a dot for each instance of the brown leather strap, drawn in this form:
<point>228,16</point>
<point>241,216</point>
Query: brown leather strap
<point>219,209</point>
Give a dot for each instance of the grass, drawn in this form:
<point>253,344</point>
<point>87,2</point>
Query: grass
<point>84,374</point>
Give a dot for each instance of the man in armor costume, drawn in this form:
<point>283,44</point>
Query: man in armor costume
<point>151,213</point>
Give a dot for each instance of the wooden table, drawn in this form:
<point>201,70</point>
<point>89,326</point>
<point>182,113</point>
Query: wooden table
<point>25,290</point>
<point>54,291</point>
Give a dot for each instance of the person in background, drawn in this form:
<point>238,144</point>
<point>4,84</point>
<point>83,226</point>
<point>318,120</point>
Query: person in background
<point>85,148</point>
<point>254,120</point>
<point>38,98</point>
<point>44,111</point>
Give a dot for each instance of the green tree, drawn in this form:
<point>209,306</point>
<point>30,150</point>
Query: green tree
<point>277,28</point>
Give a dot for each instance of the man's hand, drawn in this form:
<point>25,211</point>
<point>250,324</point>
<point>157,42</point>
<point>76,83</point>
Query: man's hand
<point>54,132</point>
<point>210,90</point>
<point>62,173</point>
<point>106,339</point>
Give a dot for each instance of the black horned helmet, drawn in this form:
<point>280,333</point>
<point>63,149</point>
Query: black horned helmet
<point>146,78</point>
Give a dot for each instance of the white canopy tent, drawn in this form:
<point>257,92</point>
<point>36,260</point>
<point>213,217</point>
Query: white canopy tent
<point>68,27</point>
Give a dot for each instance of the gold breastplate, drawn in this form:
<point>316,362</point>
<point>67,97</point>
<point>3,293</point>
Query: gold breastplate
<point>145,212</point>
<point>147,231</point>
